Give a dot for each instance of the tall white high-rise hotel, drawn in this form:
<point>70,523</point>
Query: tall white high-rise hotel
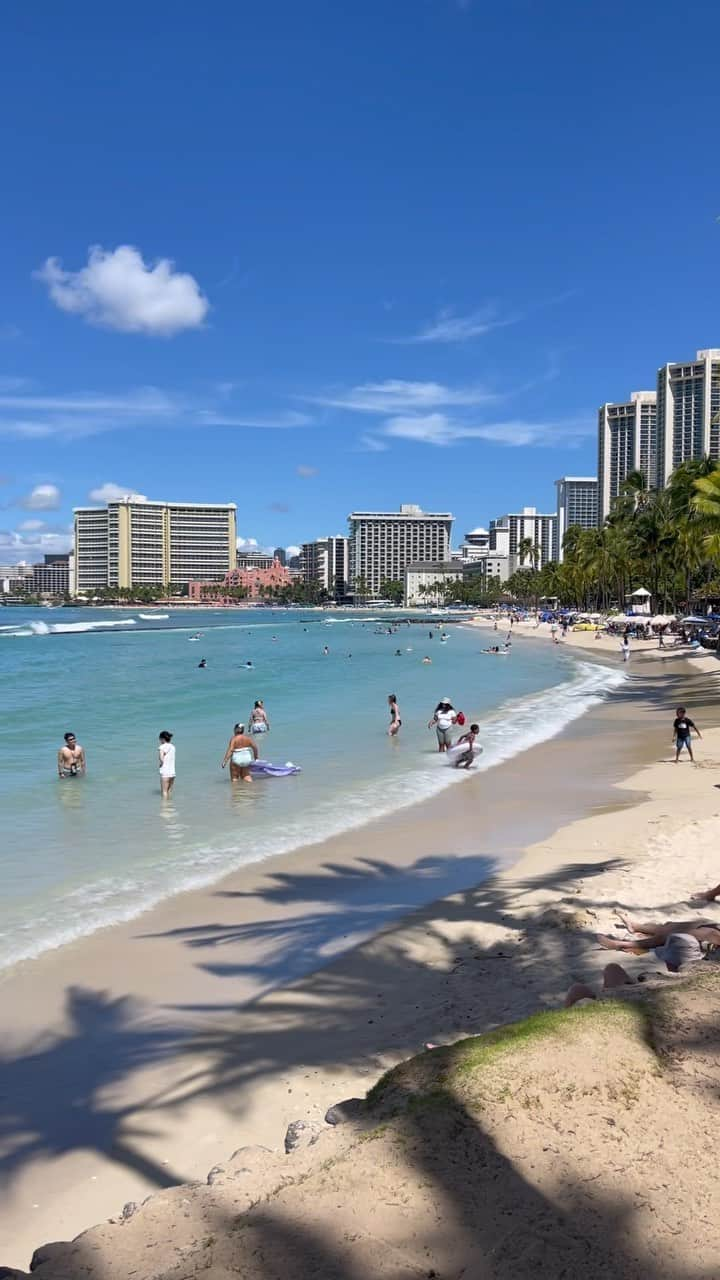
<point>688,413</point>
<point>383,543</point>
<point>655,431</point>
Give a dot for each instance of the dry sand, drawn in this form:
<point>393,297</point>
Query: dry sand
<point>574,1144</point>
<point>145,1054</point>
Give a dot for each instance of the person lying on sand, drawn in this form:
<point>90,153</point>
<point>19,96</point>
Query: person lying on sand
<point>613,976</point>
<point>676,942</point>
<point>707,895</point>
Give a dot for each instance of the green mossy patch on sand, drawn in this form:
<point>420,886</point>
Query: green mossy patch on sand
<point>646,1015</point>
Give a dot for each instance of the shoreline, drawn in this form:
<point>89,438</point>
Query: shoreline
<point>236,1010</point>
<point>102,917</point>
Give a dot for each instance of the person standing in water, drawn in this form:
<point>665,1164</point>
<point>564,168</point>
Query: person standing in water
<point>71,758</point>
<point>444,718</point>
<point>166,758</point>
<point>259,722</point>
<point>395,721</point>
<point>241,751</point>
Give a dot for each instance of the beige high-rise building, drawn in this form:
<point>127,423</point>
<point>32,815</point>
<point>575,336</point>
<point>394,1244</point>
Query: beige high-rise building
<point>627,441</point>
<point>688,413</point>
<point>134,543</point>
<point>383,543</point>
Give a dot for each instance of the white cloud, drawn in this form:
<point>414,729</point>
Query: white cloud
<point>79,414</point>
<point>44,497</point>
<point>16,546</point>
<point>439,429</point>
<point>118,290</point>
<point>110,492</point>
<point>305,471</point>
<point>31,526</point>
<point>448,326</point>
<point>269,421</point>
<point>395,395</point>
<point>292,551</point>
<point>75,415</point>
<point>247,544</point>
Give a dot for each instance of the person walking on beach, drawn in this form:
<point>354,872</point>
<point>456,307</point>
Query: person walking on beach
<point>166,758</point>
<point>683,728</point>
<point>259,722</point>
<point>444,717</point>
<point>625,646</point>
<point>395,721</point>
<point>71,758</point>
<point>241,751</point>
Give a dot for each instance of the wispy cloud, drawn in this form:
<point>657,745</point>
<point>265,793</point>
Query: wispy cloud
<point>448,326</point>
<point>395,395</point>
<point>282,421</point>
<point>306,472</point>
<point>372,444</point>
<point>280,507</point>
<point>87,413</point>
<point>441,430</point>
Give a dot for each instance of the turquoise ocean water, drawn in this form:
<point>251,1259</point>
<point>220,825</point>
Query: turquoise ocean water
<point>82,853</point>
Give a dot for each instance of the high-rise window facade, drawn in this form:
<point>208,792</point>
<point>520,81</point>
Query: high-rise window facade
<point>577,504</point>
<point>627,441</point>
<point>688,412</point>
<point>134,544</point>
<point>384,543</point>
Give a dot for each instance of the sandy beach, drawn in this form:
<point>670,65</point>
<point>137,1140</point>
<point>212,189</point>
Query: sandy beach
<point>224,1014</point>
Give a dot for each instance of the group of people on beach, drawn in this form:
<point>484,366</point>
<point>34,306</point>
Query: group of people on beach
<point>240,754</point>
<point>443,719</point>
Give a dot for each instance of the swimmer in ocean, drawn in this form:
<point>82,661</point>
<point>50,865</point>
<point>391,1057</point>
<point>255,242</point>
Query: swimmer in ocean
<point>71,758</point>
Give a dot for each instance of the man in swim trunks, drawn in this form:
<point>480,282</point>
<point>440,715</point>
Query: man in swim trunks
<point>241,752</point>
<point>71,758</point>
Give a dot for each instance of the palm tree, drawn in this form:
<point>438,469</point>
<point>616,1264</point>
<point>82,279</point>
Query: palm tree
<point>526,547</point>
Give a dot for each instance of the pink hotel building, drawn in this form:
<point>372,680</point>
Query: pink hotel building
<point>251,579</point>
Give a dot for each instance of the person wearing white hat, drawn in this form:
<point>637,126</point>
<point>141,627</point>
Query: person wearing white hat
<point>444,717</point>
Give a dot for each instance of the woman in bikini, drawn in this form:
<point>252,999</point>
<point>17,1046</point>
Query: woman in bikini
<point>259,722</point>
<point>395,721</point>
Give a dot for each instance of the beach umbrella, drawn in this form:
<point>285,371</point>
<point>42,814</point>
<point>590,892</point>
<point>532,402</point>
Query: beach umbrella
<point>694,621</point>
<point>662,619</point>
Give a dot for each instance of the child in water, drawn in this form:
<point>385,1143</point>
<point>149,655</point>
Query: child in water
<point>467,740</point>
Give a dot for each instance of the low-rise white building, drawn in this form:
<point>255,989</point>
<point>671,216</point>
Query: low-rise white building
<point>426,580</point>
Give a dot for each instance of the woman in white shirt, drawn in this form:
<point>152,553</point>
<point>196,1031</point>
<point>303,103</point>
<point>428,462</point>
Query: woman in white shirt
<point>442,722</point>
<point>166,757</point>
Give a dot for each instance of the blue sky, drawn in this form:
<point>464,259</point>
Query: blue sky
<point>310,256</point>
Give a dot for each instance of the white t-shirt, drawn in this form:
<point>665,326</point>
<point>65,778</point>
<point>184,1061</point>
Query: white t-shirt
<point>445,719</point>
<point>167,760</point>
